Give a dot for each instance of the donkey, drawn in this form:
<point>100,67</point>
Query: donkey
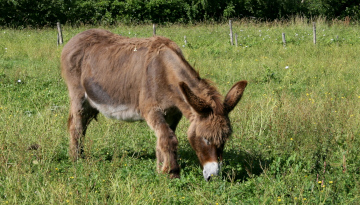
<point>146,79</point>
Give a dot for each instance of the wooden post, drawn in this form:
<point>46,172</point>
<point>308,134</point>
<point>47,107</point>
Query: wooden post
<point>59,36</point>
<point>283,39</point>
<point>344,163</point>
<point>314,32</point>
<point>236,40</point>
<point>231,33</point>
<point>185,41</point>
<point>154,30</point>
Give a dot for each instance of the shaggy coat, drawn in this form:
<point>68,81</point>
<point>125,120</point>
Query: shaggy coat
<point>145,79</point>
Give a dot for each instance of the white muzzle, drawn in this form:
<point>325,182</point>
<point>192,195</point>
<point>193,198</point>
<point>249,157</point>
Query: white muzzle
<point>210,169</point>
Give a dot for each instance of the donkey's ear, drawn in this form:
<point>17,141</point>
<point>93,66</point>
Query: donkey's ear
<point>234,95</point>
<point>199,105</point>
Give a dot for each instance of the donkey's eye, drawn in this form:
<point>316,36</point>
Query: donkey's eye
<point>206,141</point>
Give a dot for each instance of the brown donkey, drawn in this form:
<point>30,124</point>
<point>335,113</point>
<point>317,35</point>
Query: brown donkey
<point>146,79</point>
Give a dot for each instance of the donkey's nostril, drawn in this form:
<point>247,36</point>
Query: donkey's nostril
<point>208,178</point>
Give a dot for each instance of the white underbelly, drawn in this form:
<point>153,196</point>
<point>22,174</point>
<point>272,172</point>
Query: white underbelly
<point>119,112</point>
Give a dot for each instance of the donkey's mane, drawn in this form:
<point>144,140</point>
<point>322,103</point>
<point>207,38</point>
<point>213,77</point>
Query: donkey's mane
<point>209,92</point>
<point>154,44</point>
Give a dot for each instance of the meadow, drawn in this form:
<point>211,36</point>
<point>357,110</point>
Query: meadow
<point>296,129</point>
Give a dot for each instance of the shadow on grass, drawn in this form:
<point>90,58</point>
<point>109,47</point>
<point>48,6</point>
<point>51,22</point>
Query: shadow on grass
<point>237,165</point>
<point>241,165</point>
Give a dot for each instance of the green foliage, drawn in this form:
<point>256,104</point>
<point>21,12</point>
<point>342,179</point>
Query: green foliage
<point>24,13</point>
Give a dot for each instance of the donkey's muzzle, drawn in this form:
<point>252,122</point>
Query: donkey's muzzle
<point>210,169</point>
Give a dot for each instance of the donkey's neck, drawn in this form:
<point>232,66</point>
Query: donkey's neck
<point>182,71</point>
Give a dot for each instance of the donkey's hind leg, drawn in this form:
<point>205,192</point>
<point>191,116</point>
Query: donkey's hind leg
<point>81,113</point>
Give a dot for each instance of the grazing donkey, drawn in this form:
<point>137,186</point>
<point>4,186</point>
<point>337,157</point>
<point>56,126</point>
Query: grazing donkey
<point>146,79</point>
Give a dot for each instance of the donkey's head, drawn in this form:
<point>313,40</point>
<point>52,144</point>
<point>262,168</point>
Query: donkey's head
<point>210,126</point>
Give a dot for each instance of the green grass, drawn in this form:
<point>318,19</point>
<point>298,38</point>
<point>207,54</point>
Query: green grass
<point>296,130</point>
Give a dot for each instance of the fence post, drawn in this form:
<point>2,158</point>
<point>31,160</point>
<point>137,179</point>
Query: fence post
<point>154,30</point>
<point>185,41</point>
<point>231,33</point>
<point>59,35</point>
<point>236,40</point>
<point>283,39</point>
<point>314,32</point>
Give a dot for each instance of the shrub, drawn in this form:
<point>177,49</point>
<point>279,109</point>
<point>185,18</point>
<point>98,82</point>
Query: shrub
<point>24,13</point>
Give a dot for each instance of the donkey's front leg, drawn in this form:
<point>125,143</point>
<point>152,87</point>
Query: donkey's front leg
<point>166,145</point>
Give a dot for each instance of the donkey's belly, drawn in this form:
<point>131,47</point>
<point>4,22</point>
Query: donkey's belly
<point>119,112</point>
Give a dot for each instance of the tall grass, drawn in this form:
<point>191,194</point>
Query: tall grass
<point>296,130</point>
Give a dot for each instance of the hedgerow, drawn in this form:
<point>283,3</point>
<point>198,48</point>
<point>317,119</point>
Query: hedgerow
<point>25,13</point>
